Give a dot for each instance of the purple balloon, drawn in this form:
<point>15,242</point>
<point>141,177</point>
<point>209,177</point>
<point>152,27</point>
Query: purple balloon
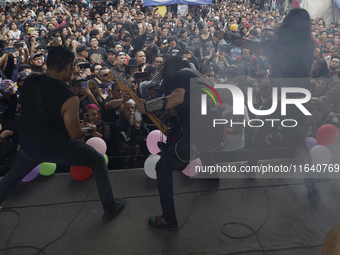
<point>311,142</point>
<point>31,175</point>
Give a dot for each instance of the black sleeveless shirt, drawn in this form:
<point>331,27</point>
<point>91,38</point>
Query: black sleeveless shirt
<point>39,134</point>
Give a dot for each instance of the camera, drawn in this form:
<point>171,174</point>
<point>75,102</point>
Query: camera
<point>84,66</point>
<point>18,45</point>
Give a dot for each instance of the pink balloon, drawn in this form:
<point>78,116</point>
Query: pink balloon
<point>153,138</point>
<point>190,169</point>
<point>98,144</point>
<point>31,175</point>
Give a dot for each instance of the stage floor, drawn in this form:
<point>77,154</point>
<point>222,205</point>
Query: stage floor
<point>48,204</point>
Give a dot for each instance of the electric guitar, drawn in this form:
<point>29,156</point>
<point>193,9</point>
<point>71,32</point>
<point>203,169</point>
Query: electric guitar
<point>125,85</point>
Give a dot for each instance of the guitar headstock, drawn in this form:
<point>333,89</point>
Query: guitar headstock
<point>118,78</point>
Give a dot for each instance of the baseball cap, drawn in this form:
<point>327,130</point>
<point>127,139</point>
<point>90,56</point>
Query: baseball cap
<point>22,75</point>
<point>81,48</point>
<point>149,38</point>
<point>76,80</point>
<point>33,55</point>
<point>253,32</point>
<point>112,50</point>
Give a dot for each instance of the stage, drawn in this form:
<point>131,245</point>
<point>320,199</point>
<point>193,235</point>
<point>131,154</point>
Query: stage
<point>295,226</point>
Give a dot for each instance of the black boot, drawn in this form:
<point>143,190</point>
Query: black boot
<point>160,222</point>
<point>111,212</point>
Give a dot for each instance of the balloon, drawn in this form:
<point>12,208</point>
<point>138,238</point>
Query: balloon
<point>150,166</point>
<point>153,138</point>
<point>106,159</point>
<point>47,169</point>
<point>327,135</point>
<point>98,144</point>
<point>320,154</point>
<point>31,175</point>
<point>311,142</point>
<point>190,169</point>
<point>80,173</point>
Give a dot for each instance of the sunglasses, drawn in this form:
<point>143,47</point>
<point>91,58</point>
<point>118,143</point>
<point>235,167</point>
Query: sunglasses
<point>122,53</point>
<point>105,74</point>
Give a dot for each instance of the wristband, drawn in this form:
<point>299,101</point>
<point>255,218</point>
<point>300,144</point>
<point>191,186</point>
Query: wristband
<point>157,104</point>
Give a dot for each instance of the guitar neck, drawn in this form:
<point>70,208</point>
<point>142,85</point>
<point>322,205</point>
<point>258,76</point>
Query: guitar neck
<point>121,82</point>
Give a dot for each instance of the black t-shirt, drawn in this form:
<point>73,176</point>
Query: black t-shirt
<point>109,65</point>
<point>97,56</point>
<point>111,115</point>
<point>39,134</point>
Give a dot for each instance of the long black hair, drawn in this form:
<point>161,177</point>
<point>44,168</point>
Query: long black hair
<point>171,65</point>
<point>291,51</point>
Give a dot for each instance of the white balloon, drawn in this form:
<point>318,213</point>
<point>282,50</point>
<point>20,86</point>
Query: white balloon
<point>320,154</point>
<point>150,166</point>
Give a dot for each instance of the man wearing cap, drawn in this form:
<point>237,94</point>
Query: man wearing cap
<point>36,61</point>
<point>138,25</point>
<point>253,35</point>
<point>20,80</point>
<point>84,94</point>
<point>82,51</point>
<point>111,60</point>
<point>114,21</point>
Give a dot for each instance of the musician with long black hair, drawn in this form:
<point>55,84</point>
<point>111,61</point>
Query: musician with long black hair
<point>177,80</point>
<point>290,54</point>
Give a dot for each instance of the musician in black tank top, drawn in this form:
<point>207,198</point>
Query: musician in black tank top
<point>50,131</point>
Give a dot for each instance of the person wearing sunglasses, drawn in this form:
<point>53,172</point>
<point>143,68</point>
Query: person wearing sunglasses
<point>120,62</point>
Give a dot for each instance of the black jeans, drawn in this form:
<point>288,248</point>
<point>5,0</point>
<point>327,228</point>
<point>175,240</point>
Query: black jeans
<point>79,154</point>
<point>297,133</point>
<point>177,156</point>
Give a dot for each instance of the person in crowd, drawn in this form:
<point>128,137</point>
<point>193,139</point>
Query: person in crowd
<point>206,42</point>
<point>36,61</point>
<point>8,130</point>
<point>120,61</point>
<point>111,58</point>
<point>320,88</point>
<point>334,66</point>
<point>103,130</point>
<point>79,87</point>
<point>93,86</point>
<point>320,68</point>
<point>109,108</point>
<point>96,54</point>
<point>82,51</point>
<point>158,60</point>
<point>130,135</point>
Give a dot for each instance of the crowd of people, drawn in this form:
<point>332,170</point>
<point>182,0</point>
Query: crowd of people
<point>134,41</point>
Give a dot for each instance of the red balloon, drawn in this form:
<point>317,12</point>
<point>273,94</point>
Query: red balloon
<point>80,173</point>
<point>327,135</point>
